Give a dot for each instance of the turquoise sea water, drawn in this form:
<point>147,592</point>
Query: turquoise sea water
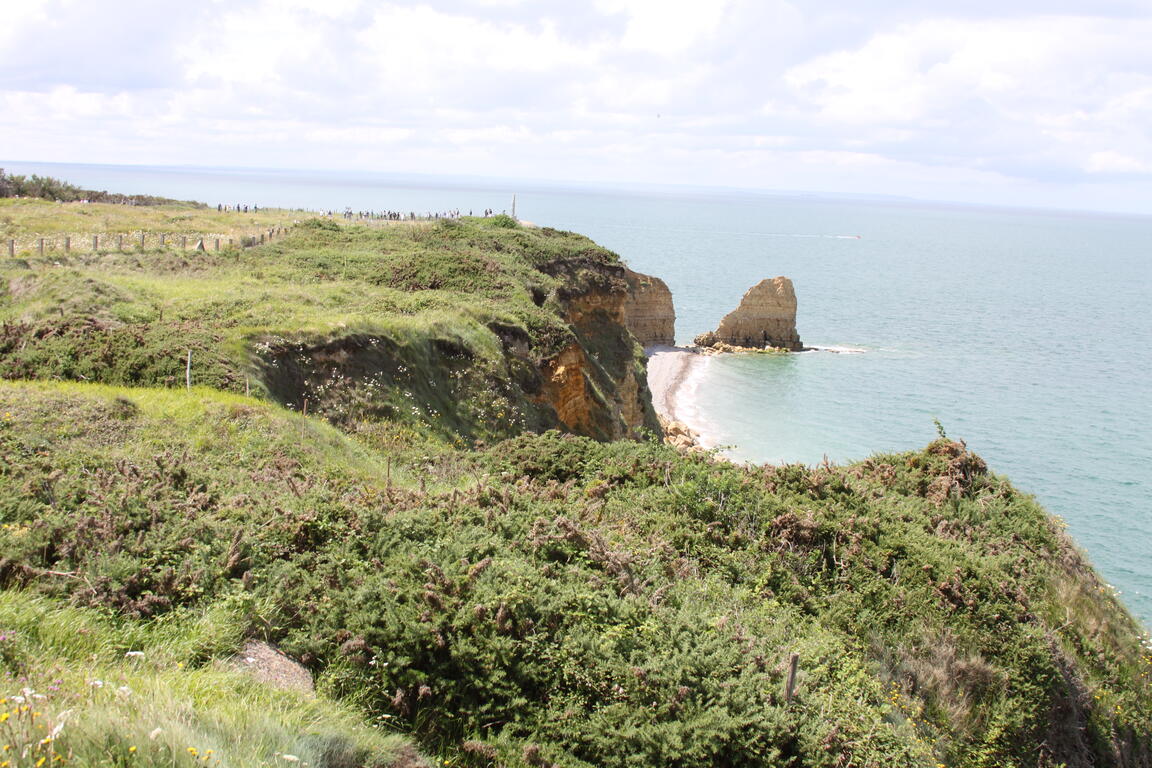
<point>1027,334</point>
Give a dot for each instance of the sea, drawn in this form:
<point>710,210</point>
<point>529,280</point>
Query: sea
<point>1025,333</point>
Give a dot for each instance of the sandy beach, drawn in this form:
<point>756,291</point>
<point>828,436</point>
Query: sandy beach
<point>672,375</point>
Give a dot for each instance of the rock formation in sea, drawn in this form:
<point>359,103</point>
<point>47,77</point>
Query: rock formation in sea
<point>648,310</point>
<point>766,317</point>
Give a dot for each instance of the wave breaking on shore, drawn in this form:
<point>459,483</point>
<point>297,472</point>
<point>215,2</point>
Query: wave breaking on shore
<point>674,376</point>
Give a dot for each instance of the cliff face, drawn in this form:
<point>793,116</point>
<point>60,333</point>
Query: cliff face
<point>582,373</point>
<point>597,384</point>
<point>648,310</point>
<point>766,317</point>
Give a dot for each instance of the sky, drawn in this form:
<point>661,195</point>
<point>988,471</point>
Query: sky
<point>1026,103</point>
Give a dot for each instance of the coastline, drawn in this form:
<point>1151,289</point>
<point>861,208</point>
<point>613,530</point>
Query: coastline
<point>674,373</point>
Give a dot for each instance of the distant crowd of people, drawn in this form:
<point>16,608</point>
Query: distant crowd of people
<point>349,214</point>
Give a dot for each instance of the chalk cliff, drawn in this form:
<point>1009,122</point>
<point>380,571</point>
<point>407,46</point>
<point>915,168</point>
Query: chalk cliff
<point>648,310</point>
<point>766,317</point>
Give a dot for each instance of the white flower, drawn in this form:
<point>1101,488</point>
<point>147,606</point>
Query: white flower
<point>290,758</point>
<point>156,732</point>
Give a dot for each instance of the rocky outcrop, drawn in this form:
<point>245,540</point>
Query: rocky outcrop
<point>766,317</point>
<point>598,384</point>
<point>648,310</point>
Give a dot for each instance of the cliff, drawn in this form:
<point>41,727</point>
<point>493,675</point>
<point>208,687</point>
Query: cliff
<point>766,317</point>
<point>472,330</point>
<point>381,511</point>
<point>648,311</point>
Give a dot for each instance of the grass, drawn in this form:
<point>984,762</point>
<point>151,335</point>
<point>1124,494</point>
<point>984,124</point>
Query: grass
<point>26,219</point>
<point>339,316</point>
<point>382,508</point>
<point>79,689</point>
<point>556,599</point>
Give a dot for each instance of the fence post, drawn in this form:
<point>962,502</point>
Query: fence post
<point>162,236</point>
<point>141,240</point>
<point>119,242</point>
<point>40,246</point>
<point>216,247</point>
<point>95,243</point>
<point>183,242</point>
<point>11,248</point>
<point>790,688</point>
<point>261,238</point>
<point>67,245</point>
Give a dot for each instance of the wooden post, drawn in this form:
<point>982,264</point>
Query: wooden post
<point>162,236</point>
<point>11,247</point>
<point>261,238</point>
<point>188,372</point>
<point>95,243</point>
<point>40,246</point>
<point>67,245</point>
<point>119,242</point>
<point>216,247</point>
<point>790,688</point>
<point>183,242</point>
<point>141,239</point>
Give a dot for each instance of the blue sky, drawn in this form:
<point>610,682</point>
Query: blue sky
<point>1022,103</point>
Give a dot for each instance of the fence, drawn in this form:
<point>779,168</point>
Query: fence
<point>136,242</point>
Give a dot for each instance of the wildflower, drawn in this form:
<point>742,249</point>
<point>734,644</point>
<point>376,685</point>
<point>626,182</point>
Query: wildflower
<point>134,655</point>
<point>290,758</point>
<point>41,762</point>
<point>155,732</point>
<point>131,749</point>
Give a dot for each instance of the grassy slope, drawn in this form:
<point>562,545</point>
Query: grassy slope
<point>556,599</point>
<point>27,218</point>
<point>85,690</point>
<point>437,298</point>
<point>545,599</point>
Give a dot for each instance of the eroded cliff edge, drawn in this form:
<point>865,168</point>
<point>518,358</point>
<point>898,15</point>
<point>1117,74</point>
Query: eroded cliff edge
<point>648,310</point>
<point>475,330</point>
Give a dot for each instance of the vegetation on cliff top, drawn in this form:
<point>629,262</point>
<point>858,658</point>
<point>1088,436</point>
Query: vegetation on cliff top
<point>48,188</point>
<point>438,326</point>
<point>541,599</point>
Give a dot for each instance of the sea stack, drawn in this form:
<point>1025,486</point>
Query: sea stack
<point>648,310</point>
<point>766,317</point>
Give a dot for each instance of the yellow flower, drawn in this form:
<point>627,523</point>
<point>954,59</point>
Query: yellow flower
<point>193,751</point>
<point>40,762</point>
<point>132,749</point>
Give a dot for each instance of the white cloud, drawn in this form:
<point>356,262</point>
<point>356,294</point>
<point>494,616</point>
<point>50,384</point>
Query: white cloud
<point>1061,92</point>
<point>746,92</point>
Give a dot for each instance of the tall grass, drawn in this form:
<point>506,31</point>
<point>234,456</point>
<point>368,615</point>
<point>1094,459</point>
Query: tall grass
<point>79,689</point>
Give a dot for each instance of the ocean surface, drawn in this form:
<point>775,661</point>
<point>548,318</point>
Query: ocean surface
<point>1028,334</point>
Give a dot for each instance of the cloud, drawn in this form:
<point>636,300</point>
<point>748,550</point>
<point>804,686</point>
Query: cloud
<point>1036,93</point>
<point>744,92</point>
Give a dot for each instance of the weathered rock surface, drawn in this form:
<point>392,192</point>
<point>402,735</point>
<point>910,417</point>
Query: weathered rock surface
<point>648,310</point>
<point>766,317</point>
<point>597,385</point>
